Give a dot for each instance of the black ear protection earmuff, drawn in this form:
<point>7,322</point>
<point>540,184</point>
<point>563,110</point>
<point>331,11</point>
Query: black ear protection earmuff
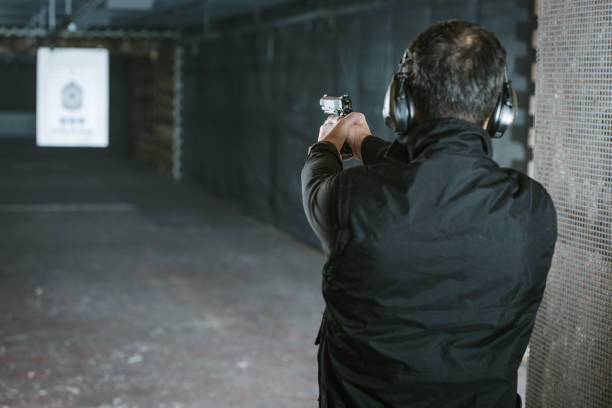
<point>398,106</point>
<point>505,110</point>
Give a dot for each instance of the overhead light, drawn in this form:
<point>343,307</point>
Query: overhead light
<point>136,5</point>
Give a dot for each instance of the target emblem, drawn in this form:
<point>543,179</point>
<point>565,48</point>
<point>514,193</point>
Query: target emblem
<point>72,96</point>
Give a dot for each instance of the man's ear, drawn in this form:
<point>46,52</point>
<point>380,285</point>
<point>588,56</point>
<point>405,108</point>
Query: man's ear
<point>486,123</point>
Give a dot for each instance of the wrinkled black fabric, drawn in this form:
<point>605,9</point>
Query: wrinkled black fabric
<point>319,185</point>
<point>437,262</point>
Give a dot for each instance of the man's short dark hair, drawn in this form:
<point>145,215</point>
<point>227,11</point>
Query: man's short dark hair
<point>456,70</point>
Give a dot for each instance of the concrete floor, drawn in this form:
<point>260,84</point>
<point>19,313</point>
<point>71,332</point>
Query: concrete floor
<point>120,288</point>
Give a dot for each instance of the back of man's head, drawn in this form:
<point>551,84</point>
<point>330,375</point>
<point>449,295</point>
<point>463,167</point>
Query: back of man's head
<point>456,70</point>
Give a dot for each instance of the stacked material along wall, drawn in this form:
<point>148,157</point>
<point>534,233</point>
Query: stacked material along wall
<point>570,363</point>
<point>152,90</point>
<point>251,96</point>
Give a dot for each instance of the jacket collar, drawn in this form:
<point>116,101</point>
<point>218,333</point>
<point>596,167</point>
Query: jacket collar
<point>449,135</point>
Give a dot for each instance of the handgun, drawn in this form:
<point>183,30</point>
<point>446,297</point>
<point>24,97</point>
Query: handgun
<point>341,106</point>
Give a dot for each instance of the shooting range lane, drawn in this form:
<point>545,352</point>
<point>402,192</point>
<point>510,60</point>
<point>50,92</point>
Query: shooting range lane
<point>121,288</point>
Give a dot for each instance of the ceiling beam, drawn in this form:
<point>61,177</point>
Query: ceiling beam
<point>170,12</point>
<point>300,17</point>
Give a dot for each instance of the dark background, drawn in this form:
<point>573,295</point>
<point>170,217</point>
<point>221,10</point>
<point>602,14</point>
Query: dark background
<point>250,106</point>
<point>251,99</point>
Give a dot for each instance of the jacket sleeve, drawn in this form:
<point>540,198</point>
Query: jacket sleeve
<point>320,178</point>
<point>373,149</point>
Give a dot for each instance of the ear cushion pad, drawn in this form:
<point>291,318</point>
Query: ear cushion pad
<point>505,112</point>
<point>398,107</point>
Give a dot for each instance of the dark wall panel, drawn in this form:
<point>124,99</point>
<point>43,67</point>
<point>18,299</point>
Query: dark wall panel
<point>251,101</point>
<point>18,84</point>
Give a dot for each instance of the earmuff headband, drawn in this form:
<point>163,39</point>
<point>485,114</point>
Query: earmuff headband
<point>398,106</point>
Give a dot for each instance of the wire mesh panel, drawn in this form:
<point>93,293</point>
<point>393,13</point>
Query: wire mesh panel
<point>570,362</point>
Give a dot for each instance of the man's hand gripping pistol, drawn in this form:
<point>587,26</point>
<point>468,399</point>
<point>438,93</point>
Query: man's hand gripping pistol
<point>341,106</point>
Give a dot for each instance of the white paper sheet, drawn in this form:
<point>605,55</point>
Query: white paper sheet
<point>72,97</point>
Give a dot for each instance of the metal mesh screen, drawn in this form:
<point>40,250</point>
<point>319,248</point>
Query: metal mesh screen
<point>570,361</point>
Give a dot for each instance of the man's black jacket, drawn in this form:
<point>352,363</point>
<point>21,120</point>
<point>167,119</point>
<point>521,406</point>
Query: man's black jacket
<point>437,261</point>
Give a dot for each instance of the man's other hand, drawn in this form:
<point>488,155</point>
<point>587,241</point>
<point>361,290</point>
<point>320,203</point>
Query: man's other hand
<point>351,129</point>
